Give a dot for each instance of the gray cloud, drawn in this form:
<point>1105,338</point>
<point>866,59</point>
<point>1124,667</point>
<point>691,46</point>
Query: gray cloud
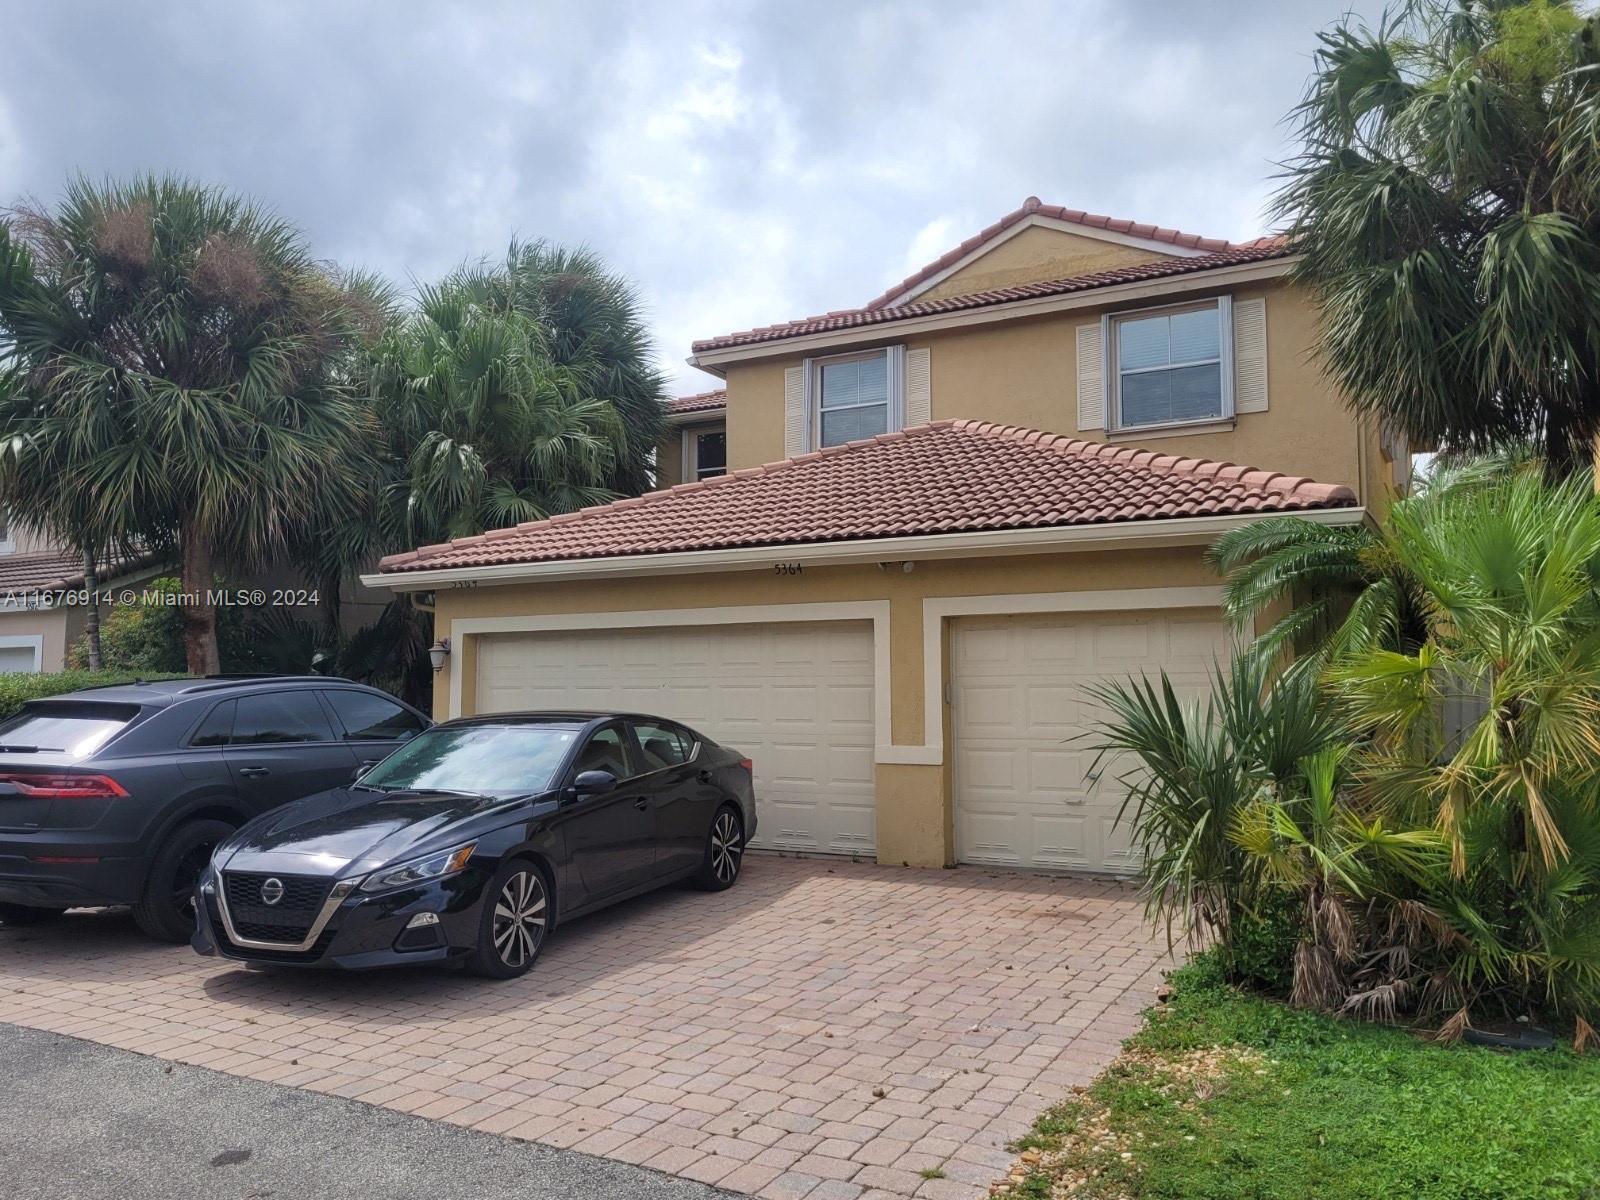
<point>745,163</point>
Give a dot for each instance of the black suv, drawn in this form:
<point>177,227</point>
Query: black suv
<point>116,795</point>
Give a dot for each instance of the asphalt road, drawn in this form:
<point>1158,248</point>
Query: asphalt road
<point>80,1121</point>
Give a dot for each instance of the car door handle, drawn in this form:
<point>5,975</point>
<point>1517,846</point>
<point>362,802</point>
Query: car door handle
<point>253,772</point>
<point>704,776</point>
<point>641,803</point>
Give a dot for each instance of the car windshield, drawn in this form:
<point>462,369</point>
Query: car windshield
<point>495,760</point>
<point>72,728</point>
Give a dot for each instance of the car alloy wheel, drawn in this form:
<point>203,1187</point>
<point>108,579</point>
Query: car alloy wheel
<point>726,847</point>
<point>520,914</point>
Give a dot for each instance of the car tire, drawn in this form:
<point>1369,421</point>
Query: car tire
<point>166,909</point>
<point>724,854</point>
<point>17,915</point>
<point>514,922</point>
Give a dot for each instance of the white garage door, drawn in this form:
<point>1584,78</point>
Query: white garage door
<point>1023,798</point>
<point>797,699</point>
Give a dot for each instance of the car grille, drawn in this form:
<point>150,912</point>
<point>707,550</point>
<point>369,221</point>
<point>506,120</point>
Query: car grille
<point>289,920</point>
<point>229,950</point>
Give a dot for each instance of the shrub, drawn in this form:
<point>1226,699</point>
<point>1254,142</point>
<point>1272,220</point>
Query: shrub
<point>17,690</point>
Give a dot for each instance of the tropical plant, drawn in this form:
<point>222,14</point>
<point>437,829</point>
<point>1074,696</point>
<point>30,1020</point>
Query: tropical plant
<point>513,393</point>
<point>1446,199</point>
<point>1195,766</point>
<point>1511,574</point>
<point>1332,591</point>
<point>183,375</point>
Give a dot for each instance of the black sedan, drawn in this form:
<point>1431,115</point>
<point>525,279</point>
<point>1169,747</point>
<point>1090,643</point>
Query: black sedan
<point>471,842</point>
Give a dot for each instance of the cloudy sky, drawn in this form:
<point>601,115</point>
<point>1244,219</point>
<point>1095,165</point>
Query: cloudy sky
<point>744,163</point>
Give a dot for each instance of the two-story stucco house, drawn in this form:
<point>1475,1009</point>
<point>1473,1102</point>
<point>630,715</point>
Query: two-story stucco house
<point>905,535</point>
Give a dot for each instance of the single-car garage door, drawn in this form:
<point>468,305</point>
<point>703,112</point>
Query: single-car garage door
<point>797,699</point>
<point>1022,796</point>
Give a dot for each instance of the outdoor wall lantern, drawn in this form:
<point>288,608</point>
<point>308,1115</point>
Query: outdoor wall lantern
<point>438,652</point>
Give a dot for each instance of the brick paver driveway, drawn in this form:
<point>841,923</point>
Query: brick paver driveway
<point>825,1029</point>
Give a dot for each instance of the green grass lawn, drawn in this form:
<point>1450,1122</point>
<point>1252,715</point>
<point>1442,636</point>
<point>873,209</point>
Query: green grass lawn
<point>1234,1097</point>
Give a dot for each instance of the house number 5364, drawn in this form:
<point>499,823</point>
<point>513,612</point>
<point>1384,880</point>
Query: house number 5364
<point>786,568</point>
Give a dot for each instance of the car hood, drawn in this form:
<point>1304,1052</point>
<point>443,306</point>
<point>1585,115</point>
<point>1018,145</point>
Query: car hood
<point>348,831</point>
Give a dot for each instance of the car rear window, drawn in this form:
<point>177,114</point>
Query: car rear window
<point>72,727</point>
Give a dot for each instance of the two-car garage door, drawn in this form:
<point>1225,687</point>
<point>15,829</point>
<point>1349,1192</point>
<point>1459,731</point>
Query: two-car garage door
<point>797,699</point>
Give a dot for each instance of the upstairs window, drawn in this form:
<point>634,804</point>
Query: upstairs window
<point>708,453</point>
<point>1172,365</point>
<point>856,396</point>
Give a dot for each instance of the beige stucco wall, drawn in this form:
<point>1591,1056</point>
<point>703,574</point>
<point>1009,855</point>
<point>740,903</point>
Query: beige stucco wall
<point>914,806</point>
<point>49,624</point>
<point>1038,253</point>
<point>1024,372</point>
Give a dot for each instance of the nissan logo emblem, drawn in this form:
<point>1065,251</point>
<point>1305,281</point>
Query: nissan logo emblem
<point>271,891</point>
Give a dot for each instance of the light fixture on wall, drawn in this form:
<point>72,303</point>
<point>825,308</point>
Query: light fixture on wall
<point>438,652</point>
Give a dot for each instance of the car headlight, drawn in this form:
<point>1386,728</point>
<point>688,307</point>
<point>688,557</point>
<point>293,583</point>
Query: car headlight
<point>420,870</point>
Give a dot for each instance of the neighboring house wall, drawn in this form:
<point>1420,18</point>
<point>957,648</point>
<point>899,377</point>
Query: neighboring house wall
<point>47,630</point>
<point>1025,372</point>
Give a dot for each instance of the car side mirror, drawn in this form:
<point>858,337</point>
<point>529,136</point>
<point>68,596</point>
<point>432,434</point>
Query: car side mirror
<point>355,776</point>
<point>589,782</point>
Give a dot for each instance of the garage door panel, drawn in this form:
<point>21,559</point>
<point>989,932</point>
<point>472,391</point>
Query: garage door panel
<point>1022,792</point>
<point>796,698</point>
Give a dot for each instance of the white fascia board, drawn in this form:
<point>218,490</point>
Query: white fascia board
<point>1116,535</point>
<point>1010,310</point>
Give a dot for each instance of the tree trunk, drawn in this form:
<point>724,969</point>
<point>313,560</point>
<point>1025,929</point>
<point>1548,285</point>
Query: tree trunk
<point>199,614</point>
<point>91,615</point>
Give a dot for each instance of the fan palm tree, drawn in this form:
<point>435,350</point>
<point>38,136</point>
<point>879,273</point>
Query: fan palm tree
<point>1341,590</point>
<point>592,326</point>
<point>1446,200</point>
<point>483,429</point>
<point>1511,576</point>
<point>179,354</point>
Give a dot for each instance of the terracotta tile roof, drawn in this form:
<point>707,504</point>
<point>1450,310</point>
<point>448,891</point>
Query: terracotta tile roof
<point>947,477</point>
<point>700,402</point>
<point>852,318</point>
<point>50,571</point>
<point>1032,206</point>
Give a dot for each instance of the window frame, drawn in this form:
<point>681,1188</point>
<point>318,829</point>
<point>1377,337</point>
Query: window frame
<point>691,451</point>
<point>895,385</point>
<point>682,730</point>
<point>630,751</point>
<point>342,731</point>
<point>1111,356</point>
<point>317,702</point>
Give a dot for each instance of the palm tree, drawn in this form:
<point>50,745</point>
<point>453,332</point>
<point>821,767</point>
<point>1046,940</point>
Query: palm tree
<point>1342,590</point>
<point>180,356</point>
<point>514,393</point>
<point>593,327</point>
<point>1447,201</point>
<point>1511,575</point>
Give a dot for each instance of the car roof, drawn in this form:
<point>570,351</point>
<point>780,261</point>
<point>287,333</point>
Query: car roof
<point>162,692</point>
<point>562,716</point>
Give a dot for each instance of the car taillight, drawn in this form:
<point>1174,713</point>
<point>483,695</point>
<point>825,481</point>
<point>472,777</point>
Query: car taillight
<point>748,765</point>
<point>64,787</point>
